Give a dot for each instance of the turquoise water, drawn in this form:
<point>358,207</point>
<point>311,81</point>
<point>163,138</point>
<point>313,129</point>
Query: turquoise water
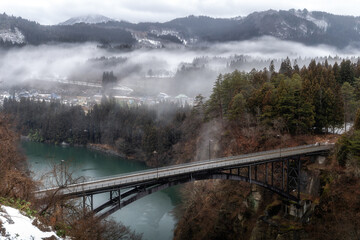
<point>152,215</point>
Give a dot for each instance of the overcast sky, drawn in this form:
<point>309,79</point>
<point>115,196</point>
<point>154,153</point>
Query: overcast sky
<point>55,11</point>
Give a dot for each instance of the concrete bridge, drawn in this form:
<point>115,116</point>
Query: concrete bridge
<point>277,170</point>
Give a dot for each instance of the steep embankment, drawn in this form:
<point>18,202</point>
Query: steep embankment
<point>217,209</point>
<point>15,184</point>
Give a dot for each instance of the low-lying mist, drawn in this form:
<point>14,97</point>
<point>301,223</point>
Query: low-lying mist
<point>184,70</point>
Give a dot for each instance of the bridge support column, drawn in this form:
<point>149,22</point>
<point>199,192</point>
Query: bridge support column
<point>255,172</point>
<point>249,173</point>
<point>119,198</point>
<point>266,173</point>
<point>287,176</point>
<point>297,210</point>
<point>92,202</point>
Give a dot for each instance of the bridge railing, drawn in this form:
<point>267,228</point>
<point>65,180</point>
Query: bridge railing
<point>174,170</point>
<point>208,161</point>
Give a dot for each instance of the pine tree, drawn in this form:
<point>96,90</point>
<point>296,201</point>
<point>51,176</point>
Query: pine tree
<point>350,104</point>
<point>238,107</point>
<point>215,104</point>
<point>285,67</point>
<point>346,72</point>
<point>357,120</point>
<point>296,67</point>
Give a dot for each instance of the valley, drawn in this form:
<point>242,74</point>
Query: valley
<point>95,95</point>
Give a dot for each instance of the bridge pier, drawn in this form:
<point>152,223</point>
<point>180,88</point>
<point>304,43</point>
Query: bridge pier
<point>320,159</point>
<point>91,201</point>
<point>297,210</point>
<point>249,173</point>
<point>266,173</point>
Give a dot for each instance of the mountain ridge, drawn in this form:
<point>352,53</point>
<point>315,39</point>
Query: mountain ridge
<point>310,28</point>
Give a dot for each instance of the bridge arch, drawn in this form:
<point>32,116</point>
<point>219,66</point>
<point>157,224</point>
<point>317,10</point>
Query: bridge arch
<point>261,174</point>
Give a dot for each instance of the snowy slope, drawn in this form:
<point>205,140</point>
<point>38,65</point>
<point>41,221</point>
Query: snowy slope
<point>89,19</point>
<point>19,227</point>
<point>320,23</point>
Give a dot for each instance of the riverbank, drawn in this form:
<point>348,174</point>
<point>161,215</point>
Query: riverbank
<point>109,150</point>
<point>104,148</point>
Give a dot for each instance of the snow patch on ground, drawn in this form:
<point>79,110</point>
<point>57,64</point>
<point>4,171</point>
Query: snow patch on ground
<point>13,36</point>
<point>150,43</point>
<point>19,227</point>
<point>341,130</point>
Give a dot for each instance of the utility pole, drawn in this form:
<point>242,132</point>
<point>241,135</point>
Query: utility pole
<point>278,136</point>
<point>157,164</point>
<point>61,172</point>
<point>210,140</point>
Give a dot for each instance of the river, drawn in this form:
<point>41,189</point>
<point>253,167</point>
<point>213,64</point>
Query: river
<point>152,215</point>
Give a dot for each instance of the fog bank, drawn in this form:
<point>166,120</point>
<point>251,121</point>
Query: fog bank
<point>179,70</point>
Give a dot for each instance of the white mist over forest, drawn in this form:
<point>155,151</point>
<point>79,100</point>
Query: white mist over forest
<point>174,70</point>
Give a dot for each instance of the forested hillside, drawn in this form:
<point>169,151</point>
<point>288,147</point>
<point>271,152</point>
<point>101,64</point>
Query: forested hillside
<point>315,99</point>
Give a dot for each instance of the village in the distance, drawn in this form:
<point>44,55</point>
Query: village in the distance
<point>87,95</point>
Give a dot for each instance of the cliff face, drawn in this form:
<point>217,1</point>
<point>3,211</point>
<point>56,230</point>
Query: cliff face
<point>236,210</point>
<point>222,209</point>
<point>337,214</point>
<point>282,220</point>
<point>334,214</point>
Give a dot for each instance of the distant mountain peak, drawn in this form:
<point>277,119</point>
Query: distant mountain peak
<point>89,19</point>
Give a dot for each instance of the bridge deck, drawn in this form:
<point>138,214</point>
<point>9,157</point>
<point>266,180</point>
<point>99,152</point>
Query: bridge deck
<point>153,175</point>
